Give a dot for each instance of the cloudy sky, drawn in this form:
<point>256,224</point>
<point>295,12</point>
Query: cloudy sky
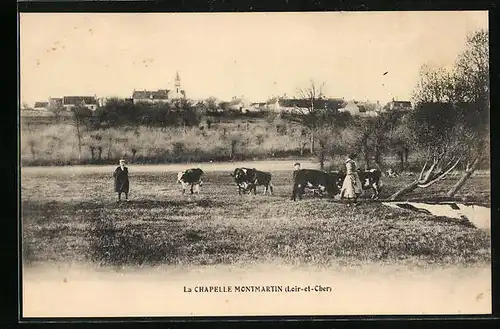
<point>228,54</point>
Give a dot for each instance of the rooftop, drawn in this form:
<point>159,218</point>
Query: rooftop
<point>79,100</point>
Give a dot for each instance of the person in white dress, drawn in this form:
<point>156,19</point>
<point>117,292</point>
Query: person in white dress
<point>351,188</point>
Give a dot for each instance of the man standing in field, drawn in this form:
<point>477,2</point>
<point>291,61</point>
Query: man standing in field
<point>121,180</point>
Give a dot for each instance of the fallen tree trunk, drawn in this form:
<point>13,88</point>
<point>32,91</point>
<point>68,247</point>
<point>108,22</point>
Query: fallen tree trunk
<point>433,175</point>
<point>407,189</point>
<point>470,169</point>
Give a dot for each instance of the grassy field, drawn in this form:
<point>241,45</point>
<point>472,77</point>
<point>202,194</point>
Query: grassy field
<point>70,216</point>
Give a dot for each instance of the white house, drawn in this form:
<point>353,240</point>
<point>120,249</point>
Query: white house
<point>89,102</point>
<point>278,104</point>
<point>102,101</point>
<point>356,108</point>
<point>239,104</point>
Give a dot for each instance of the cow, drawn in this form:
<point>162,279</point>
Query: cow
<point>316,180</point>
<point>391,173</point>
<point>338,177</point>
<point>247,179</point>
<point>190,177</point>
<point>371,179</point>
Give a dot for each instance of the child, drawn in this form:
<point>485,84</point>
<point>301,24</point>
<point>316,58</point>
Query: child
<point>121,180</point>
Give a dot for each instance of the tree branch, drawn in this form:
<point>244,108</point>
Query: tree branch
<point>439,177</point>
<point>431,169</point>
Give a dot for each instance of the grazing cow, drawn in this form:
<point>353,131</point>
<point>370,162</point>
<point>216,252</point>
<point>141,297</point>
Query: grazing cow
<point>247,179</point>
<point>371,179</point>
<point>337,177</point>
<point>316,180</point>
<point>190,177</point>
<point>392,173</point>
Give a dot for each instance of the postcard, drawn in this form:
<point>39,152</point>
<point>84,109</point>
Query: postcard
<point>252,164</point>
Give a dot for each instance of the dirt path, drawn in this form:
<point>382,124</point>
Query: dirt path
<point>268,165</point>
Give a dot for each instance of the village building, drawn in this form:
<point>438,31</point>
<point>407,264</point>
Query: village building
<point>41,106</point>
<point>240,104</point>
<point>282,104</point>
<point>161,95</point>
<point>258,106</point>
<point>364,109</point>
<point>55,102</point>
<point>70,102</point>
<point>396,105</point>
<point>102,101</point>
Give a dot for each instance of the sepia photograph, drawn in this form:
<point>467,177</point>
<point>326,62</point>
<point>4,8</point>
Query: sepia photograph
<point>254,164</point>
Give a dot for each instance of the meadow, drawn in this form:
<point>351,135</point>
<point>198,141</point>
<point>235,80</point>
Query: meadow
<point>72,216</point>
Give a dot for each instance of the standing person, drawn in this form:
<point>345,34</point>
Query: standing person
<point>296,168</point>
<point>121,180</point>
<point>351,188</point>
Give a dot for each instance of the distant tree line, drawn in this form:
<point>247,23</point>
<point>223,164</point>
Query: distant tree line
<point>185,113</point>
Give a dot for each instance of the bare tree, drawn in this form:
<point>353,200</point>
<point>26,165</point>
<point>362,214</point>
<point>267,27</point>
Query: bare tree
<point>432,127</point>
<point>80,118</point>
<point>309,115</point>
<point>438,171</point>
<point>435,85</point>
<point>93,142</point>
<point>302,140</point>
<point>466,86</point>
<point>235,141</point>
<point>324,139</point>
<point>474,149</point>
<point>452,115</point>
<point>472,70</point>
<point>472,98</point>
<point>400,141</point>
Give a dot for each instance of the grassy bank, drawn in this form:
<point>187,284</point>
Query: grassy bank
<point>239,139</point>
<point>226,140</point>
<point>74,218</point>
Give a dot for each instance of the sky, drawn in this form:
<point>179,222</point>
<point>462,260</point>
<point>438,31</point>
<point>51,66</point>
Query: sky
<point>254,55</point>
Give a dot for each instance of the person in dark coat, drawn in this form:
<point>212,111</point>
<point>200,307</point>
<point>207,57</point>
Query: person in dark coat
<point>121,180</point>
<point>296,168</point>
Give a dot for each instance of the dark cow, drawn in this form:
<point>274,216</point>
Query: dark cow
<point>190,177</point>
<point>338,177</point>
<point>371,179</point>
<point>247,179</point>
<point>316,180</point>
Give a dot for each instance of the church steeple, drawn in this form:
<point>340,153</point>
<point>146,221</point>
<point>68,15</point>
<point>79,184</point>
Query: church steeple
<point>177,93</point>
<point>178,82</point>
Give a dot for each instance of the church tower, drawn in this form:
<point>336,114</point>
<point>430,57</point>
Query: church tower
<point>177,85</point>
